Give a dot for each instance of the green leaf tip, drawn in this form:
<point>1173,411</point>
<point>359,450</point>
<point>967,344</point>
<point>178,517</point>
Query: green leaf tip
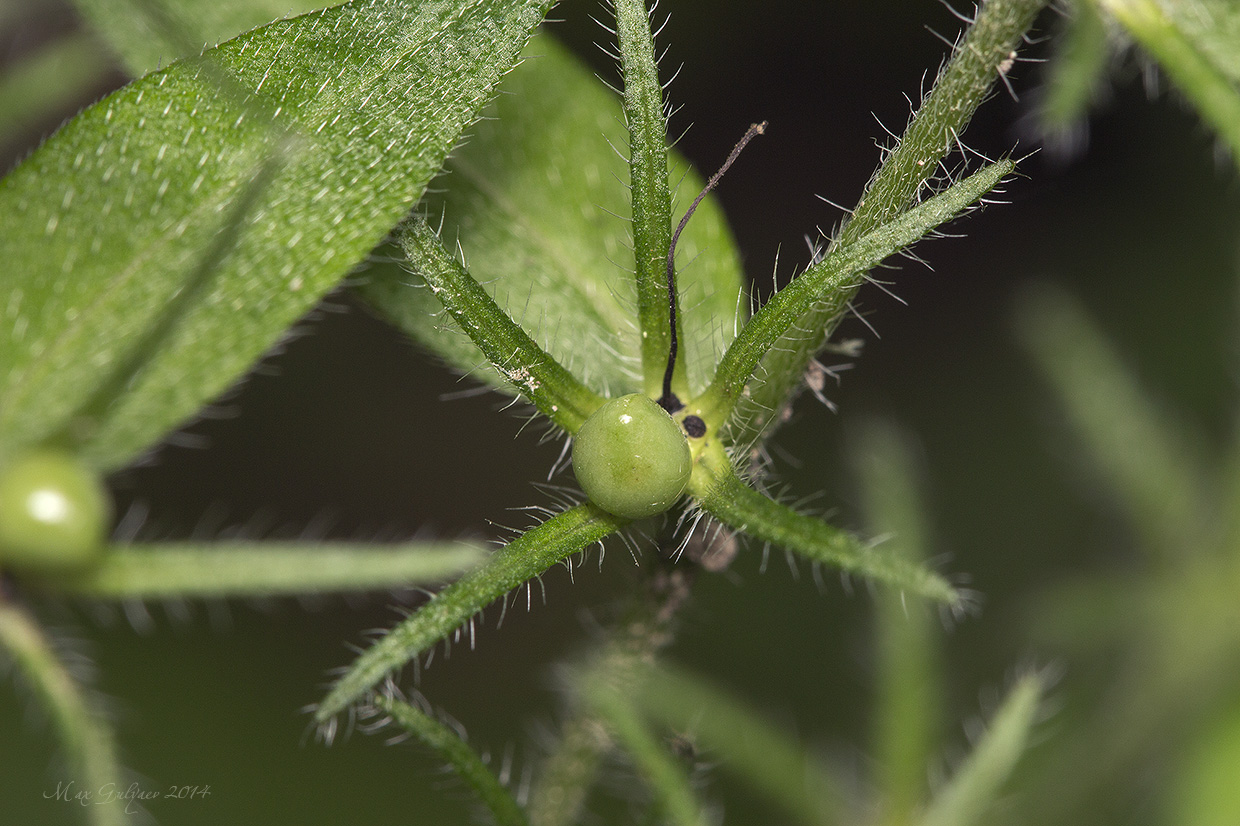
<point>451,746</point>
<point>518,562</point>
<point>838,274</point>
<point>721,493</point>
<point>975,786</point>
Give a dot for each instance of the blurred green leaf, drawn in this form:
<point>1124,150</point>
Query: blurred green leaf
<point>148,34</point>
<point>233,569</point>
<point>977,783</point>
<point>909,678</point>
<point>1206,792</point>
<point>1074,74</point>
<point>1197,42</point>
<point>752,749</point>
<point>536,201</point>
<point>84,732</point>
<point>360,104</point>
<point>1153,462</point>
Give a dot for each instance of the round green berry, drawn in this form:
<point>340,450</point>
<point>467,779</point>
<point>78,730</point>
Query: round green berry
<point>631,458</point>
<point>54,513</point>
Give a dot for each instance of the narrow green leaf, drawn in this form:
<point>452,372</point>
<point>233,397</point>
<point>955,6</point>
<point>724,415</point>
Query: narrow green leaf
<point>610,694</point>
<point>747,746</point>
<point>909,678</point>
<point>554,391</point>
<point>464,761</point>
<point>978,782</point>
<point>1151,460</point>
<point>566,777</point>
<point>722,494</point>
<point>535,199</point>
<point>651,198</point>
<point>1074,73</point>
<point>148,34</point>
<point>985,51</point>
<point>84,734</point>
<point>521,560</point>
<point>1198,44</point>
<point>233,569</point>
<point>362,105</point>
<point>839,273</point>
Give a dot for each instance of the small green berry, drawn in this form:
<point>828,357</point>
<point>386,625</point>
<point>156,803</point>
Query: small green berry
<point>631,458</point>
<point>54,513</point>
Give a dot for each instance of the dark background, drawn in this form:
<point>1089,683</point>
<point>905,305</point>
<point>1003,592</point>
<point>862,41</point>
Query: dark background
<point>347,432</point>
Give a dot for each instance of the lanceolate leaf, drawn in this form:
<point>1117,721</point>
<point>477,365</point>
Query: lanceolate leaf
<point>554,391</point>
<point>722,494</point>
<point>986,50</point>
<point>526,557</point>
<point>360,103</point>
<point>537,202</point>
<point>449,744</point>
<point>754,751</point>
<point>840,272</point>
<point>224,569</point>
<point>979,780</point>
<point>651,199</point>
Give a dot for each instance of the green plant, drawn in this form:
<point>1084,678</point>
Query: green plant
<point>183,277</point>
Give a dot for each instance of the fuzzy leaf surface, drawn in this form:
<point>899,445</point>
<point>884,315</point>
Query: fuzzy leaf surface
<point>360,104</point>
<point>536,199</point>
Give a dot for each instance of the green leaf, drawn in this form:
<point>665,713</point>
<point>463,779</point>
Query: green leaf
<point>609,691</point>
<point>747,746</point>
<point>722,494</point>
<point>935,130</point>
<point>85,735</point>
<point>232,569</point>
<point>526,557</point>
<point>536,200</point>
<point>360,108</point>
<point>651,198</point>
<point>839,273</point>
<point>909,691</point>
<point>976,784</point>
<point>1154,462</point>
<point>1074,73</point>
<point>554,391</point>
<point>451,746</point>
<point>148,34</point>
<point>1197,42</point>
